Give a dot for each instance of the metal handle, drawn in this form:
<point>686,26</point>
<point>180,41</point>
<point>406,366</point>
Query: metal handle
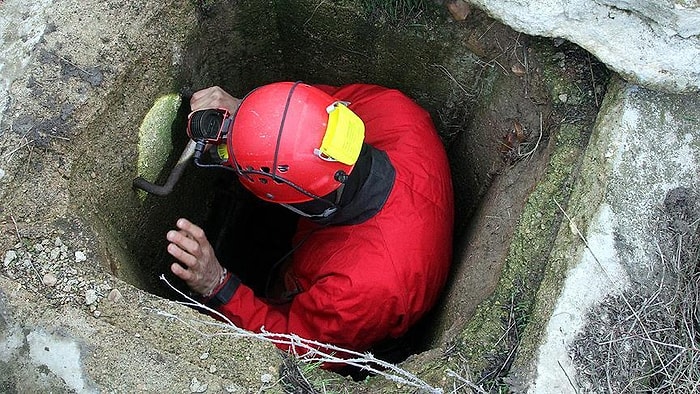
<point>174,176</point>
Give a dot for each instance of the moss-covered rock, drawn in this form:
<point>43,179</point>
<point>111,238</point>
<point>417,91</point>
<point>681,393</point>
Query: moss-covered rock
<point>155,136</point>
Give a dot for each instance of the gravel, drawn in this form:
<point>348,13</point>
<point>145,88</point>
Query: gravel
<point>65,274</point>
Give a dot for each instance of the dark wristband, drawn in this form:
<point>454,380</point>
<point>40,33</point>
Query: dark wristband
<point>224,293</point>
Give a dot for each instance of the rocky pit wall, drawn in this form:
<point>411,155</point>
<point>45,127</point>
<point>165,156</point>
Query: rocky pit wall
<point>71,317</point>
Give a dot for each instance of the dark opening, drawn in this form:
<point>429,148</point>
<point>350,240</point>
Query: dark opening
<point>251,237</point>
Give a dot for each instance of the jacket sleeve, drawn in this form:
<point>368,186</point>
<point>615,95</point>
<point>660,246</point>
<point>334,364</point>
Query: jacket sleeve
<point>331,311</point>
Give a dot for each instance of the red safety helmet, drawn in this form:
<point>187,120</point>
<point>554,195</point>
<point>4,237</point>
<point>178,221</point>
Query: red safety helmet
<point>291,142</point>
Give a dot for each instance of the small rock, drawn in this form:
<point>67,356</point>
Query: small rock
<point>114,296</point>
<point>459,9</point>
<point>90,297</point>
<point>266,378</point>
<point>55,252</point>
<point>563,97</point>
<point>10,256</point>
<point>97,313</point>
<point>49,280</point>
<point>212,368</point>
<point>197,387</point>
<point>80,257</point>
<point>518,69</point>
<point>2,173</point>
<point>57,242</point>
<point>204,356</point>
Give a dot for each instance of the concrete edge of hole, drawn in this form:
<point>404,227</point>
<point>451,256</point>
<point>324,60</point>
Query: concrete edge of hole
<point>481,339</point>
<point>507,325</point>
<point>587,193</point>
<point>136,342</point>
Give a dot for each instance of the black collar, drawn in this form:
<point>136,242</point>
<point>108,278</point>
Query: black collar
<point>371,195</point>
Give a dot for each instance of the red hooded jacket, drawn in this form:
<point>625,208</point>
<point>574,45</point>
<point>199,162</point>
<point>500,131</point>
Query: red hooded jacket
<point>359,284</point>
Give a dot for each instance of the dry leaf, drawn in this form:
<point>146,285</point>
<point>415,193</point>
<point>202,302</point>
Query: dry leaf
<point>518,69</point>
<point>459,9</point>
<point>519,131</point>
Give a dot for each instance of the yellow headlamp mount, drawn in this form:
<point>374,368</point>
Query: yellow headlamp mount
<point>344,135</point>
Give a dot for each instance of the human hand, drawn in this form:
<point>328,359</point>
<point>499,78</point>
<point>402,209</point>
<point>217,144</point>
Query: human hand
<point>200,268</point>
<point>214,97</point>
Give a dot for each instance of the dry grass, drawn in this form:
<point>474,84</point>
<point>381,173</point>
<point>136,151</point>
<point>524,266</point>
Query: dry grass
<point>646,340</point>
<point>398,13</point>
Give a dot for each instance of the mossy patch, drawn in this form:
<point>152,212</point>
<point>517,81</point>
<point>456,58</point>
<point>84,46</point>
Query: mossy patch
<point>493,339</point>
<point>490,339</point>
<point>155,136</point>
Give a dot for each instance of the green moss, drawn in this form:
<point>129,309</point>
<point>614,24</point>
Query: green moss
<point>509,325</point>
<point>587,192</point>
<point>155,136</point>
<point>498,323</point>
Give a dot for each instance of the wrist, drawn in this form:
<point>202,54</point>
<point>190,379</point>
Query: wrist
<point>218,284</point>
<point>223,293</point>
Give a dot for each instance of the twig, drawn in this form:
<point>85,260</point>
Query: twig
<point>314,12</point>
<point>449,75</point>
<point>471,385</point>
<point>29,157</point>
<point>491,62</point>
<point>590,68</point>
<point>573,386</point>
<point>607,370</point>
<point>8,154</point>
<point>59,137</point>
<point>19,238</point>
<point>74,65</point>
<point>670,345</point>
<point>537,144</point>
<point>486,31</point>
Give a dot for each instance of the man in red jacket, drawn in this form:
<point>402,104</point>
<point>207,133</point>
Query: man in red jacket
<point>366,170</point>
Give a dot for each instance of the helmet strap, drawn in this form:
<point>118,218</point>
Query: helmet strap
<point>279,133</point>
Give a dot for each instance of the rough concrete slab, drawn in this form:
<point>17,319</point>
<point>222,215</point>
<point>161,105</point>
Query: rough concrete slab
<point>647,47</point>
<point>645,145</point>
<point>130,346</point>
